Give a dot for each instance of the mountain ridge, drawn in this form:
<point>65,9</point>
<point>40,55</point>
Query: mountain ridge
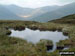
<point>6,14</point>
<point>63,11</point>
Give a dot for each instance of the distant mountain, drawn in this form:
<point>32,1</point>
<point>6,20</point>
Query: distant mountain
<point>61,12</point>
<point>19,10</point>
<point>48,8</point>
<point>42,10</point>
<point>29,13</point>
<point>6,14</point>
<point>42,14</point>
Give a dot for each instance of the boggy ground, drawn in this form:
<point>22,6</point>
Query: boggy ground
<point>12,46</point>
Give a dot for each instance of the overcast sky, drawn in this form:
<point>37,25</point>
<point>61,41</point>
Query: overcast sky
<point>36,3</point>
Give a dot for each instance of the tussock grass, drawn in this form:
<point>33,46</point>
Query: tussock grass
<point>11,46</point>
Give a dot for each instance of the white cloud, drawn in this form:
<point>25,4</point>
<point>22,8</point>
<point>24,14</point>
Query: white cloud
<point>32,3</point>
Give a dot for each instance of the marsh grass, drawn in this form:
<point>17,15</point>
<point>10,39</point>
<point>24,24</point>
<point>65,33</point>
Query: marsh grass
<point>12,46</point>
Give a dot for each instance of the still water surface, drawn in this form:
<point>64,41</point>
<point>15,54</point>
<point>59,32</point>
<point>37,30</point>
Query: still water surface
<point>35,36</point>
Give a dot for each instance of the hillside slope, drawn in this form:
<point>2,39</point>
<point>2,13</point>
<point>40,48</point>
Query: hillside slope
<point>43,10</point>
<point>6,14</point>
<point>70,19</point>
<point>19,10</point>
<point>61,12</point>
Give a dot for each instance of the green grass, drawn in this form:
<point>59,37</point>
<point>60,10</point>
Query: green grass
<point>12,46</point>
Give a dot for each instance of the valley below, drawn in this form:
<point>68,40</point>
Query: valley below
<point>30,38</point>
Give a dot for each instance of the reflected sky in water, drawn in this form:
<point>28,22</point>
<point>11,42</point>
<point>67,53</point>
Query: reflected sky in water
<point>35,36</point>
